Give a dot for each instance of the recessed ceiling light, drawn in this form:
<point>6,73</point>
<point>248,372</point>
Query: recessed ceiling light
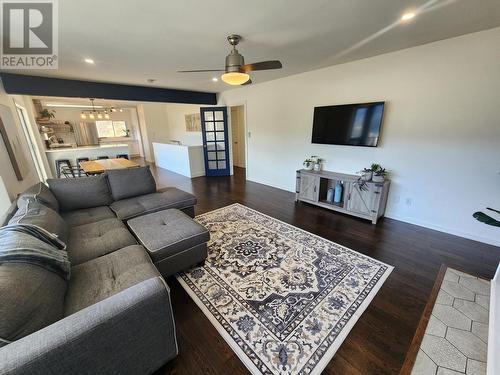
<point>215,79</point>
<point>89,61</point>
<point>408,16</point>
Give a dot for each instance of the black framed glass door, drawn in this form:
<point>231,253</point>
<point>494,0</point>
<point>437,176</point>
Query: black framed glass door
<point>214,130</point>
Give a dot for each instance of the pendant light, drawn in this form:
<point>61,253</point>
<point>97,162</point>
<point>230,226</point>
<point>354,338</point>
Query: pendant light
<point>106,112</point>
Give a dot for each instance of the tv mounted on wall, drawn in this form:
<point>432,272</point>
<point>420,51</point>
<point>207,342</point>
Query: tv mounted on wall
<point>348,124</point>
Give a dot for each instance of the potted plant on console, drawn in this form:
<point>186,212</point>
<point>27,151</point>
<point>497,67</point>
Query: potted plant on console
<point>375,173</point>
<point>313,163</point>
<point>366,174</point>
<point>317,163</point>
<point>308,164</point>
<point>379,175</point>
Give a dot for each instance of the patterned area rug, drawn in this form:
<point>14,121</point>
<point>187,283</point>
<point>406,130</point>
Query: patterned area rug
<point>282,298</point>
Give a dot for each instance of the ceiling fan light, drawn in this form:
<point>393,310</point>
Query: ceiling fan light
<point>235,78</point>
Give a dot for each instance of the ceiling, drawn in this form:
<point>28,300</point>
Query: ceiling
<point>131,41</point>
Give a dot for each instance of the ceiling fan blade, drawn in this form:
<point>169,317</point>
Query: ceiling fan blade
<point>263,65</point>
<point>247,82</point>
<point>200,70</point>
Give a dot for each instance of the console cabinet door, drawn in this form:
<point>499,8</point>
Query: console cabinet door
<point>309,187</point>
<point>364,201</point>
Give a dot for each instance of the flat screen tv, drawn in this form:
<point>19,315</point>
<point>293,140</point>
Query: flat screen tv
<point>348,124</point>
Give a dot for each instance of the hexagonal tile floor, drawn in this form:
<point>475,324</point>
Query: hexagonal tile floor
<point>456,337</point>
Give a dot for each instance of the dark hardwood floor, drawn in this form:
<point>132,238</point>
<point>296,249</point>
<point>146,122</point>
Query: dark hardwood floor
<point>379,341</point>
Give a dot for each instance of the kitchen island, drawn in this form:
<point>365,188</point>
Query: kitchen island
<point>91,152</point>
<point>187,160</point>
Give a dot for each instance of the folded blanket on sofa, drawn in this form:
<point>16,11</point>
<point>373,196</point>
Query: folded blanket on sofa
<point>26,243</point>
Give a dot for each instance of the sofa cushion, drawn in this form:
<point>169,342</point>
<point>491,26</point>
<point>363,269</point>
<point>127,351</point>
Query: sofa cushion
<point>42,216</point>
<point>39,193</point>
<point>131,182</point>
<point>31,298</point>
<point>90,241</point>
<point>168,198</point>
<point>87,215</point>
<point>78,193</point>
<point>105,276</point>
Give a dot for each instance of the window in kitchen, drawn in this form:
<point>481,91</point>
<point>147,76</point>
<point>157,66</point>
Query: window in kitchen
<point>111,129</point>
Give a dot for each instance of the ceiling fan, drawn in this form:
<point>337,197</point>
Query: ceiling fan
<point>236,71</point>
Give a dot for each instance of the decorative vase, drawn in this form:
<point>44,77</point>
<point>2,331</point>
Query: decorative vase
<point>338,192</point>
<point>378,178</point>
<point>366,175</point>
<point>317,167</point>
<point>330,195</point>
<point>308,165</point>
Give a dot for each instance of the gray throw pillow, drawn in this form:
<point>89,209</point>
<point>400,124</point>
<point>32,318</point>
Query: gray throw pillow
<point>132,182</point>
<point>42,216</point>
<point>77,193</point>
<point>31,298</point>
<point>38,193</point>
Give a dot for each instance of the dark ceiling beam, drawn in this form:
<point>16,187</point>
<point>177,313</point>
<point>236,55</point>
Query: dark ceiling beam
<point>44,86</point>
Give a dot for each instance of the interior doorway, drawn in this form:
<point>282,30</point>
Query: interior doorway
<point>238,136</point>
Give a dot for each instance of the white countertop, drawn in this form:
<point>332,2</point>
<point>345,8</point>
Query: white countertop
<point>97,147</point>
<point>176,145</point>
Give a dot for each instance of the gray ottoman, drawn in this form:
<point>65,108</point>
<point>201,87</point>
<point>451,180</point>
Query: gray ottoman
<point>174,241</point>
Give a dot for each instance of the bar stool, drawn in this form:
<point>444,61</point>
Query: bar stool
<point>61,163</point>
<point>73,172</point>
<point>78,161</point>
<point>102,157</point>
<point>123,156</point>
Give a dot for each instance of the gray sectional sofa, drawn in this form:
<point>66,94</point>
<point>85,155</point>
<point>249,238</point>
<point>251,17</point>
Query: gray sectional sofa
<point>78,293</point>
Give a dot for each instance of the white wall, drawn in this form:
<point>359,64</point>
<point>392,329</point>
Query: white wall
<point>440,136</point>
<point>153,119</point>
<point>165,122</point>
<point>146,145</point>
<point>177,123</point>
<point>5,200</point>
<point>7,173</point>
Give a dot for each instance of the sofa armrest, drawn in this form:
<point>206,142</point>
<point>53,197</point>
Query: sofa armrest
<point>131,332</point>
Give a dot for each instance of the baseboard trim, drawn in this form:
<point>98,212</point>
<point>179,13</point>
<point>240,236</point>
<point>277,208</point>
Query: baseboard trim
<point>198,174</point>
<point>281,187</point>
<point>446,230</point>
